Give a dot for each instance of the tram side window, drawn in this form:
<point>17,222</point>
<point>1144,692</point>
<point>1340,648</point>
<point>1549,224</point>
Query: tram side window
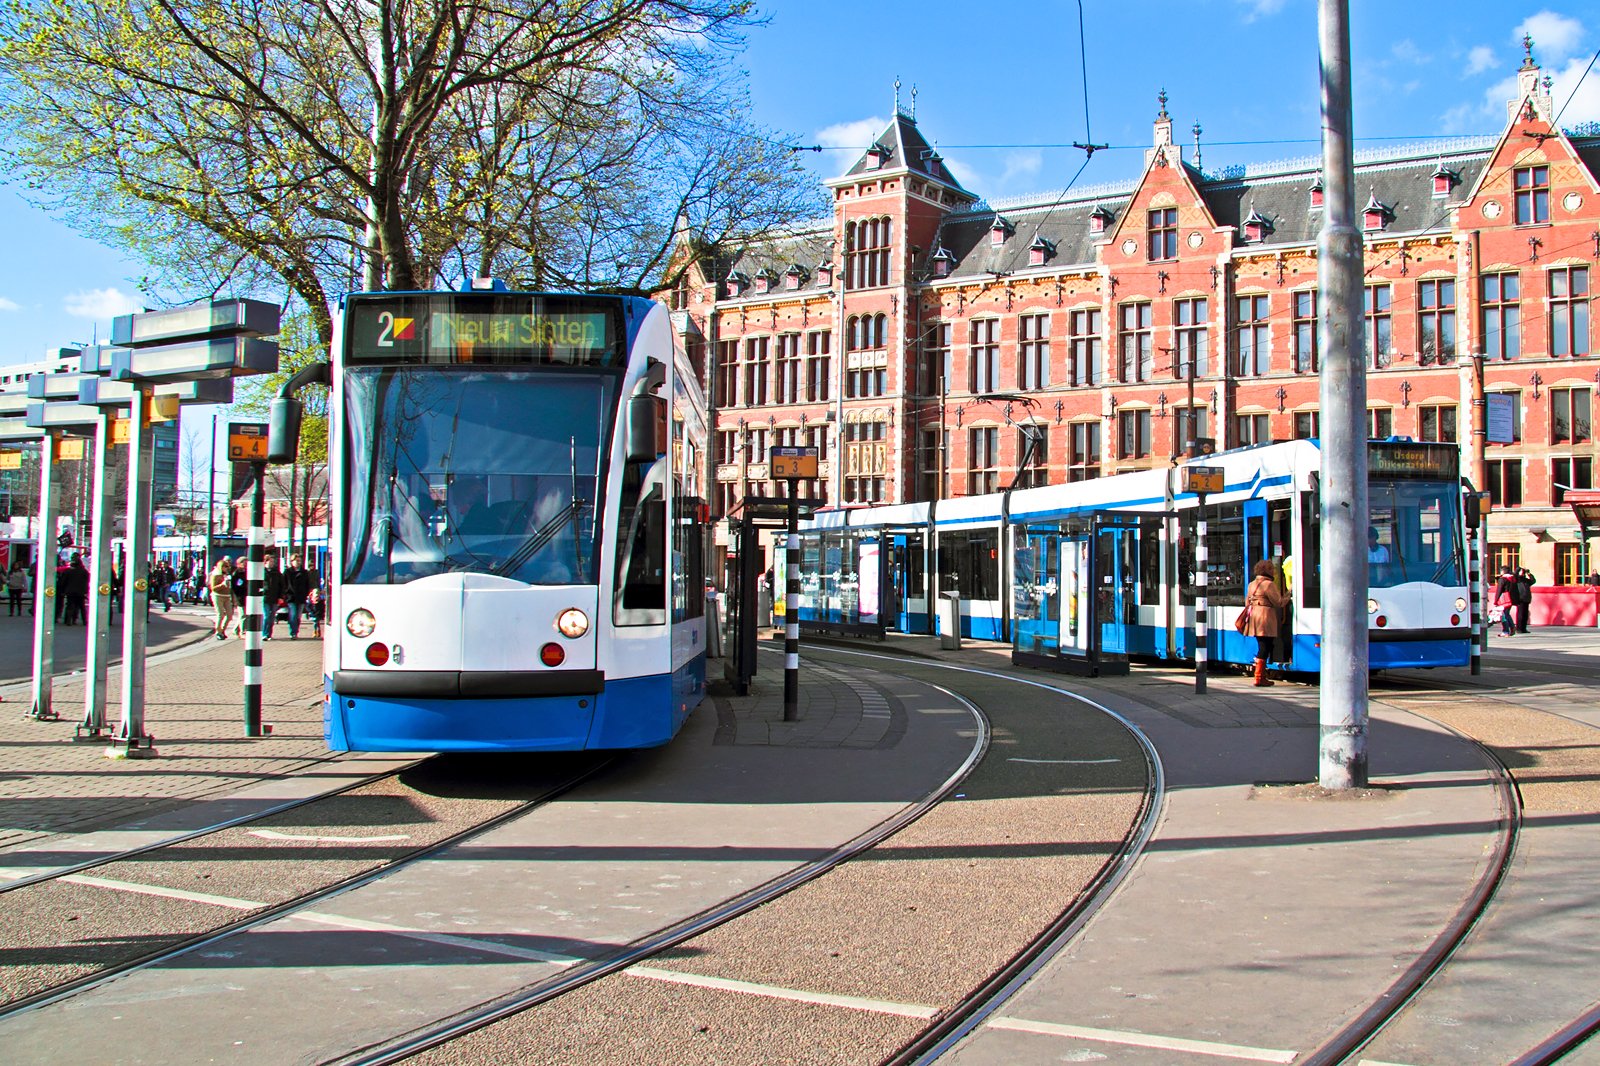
<point>641,598</point>
<point>1150,546</point>
<point>1225,562</point>
<point>1308,568</point>
<point>688,560</point>
<point>969,561</point>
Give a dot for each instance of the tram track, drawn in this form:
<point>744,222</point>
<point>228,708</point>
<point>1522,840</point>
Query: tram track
<point>764,948</point>
<point>67,930</point>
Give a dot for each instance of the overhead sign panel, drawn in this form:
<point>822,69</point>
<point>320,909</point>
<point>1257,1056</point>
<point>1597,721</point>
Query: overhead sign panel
<point>218,318</point>
<point>107,393</point>
<point>47,415</point>
<point>220,357</point>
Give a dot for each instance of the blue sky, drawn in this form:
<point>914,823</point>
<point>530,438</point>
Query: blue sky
<point>1008,73</point>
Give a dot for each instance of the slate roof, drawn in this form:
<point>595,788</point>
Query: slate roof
<point>906,147</point>
<point>805,250</point>
<point>1065,225</point>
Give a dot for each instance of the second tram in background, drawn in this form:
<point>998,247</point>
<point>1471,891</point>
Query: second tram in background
<point>1108,564</point>
<point>515,558</point>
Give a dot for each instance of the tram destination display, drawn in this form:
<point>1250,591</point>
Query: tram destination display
<point>1431,462</point>
<point>484,328</point>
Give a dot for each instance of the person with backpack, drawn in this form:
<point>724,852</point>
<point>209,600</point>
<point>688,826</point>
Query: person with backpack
<point>1505,598</point>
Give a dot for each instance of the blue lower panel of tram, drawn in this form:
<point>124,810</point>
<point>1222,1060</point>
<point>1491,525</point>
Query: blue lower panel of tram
<point>632,712</point>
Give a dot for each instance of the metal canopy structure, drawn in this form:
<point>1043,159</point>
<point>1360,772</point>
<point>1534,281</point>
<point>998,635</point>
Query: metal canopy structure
<point>748,518</point>
<point>1585,505</point>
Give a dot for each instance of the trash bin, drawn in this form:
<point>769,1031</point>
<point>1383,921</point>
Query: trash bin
<point>949,608</point>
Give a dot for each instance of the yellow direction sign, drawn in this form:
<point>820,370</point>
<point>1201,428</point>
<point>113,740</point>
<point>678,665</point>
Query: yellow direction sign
<point>1202,479</point>
<point>10,460</point>
<point>789,462</point>
<point>247,442</point>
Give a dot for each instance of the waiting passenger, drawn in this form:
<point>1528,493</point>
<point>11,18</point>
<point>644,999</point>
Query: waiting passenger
<point>1263,606</point>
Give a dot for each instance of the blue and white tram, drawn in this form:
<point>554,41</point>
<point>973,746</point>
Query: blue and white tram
<point>516,556</point>
<point>1009,555</point>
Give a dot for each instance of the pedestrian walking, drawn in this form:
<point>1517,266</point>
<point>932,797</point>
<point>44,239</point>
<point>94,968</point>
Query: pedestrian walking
<point>221,585</point>
<point>239,584</point>
<point>272,592</point>
<point>1505,598</point>
<point>1263,607</point>
<point>1525,583</point>
<point>297,584</point>
<point>75,591</point>
<point>16,585</point>
<point>314,611</point>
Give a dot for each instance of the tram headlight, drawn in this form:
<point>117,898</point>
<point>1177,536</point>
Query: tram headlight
<point>1372,606</point>
<point>1461,604</point>
<point>572,623</point>
<point>361,622</point>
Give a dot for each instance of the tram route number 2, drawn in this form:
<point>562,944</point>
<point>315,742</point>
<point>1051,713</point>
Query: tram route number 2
<point>793,463</point>
<point>1202,479</point>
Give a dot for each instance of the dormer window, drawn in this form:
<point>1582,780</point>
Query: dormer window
<point>876,156</point>
<point>943,262</point>
<point>737,283</point>
<point>825,275</point>
<point>764,280</point>
<point>1316,195</point>
<point>999,230</point>
<point>1377,214</point>
<point>794,277</point>
<point>1256,227</point>
<point>1040,251</point>
<point>1443,181</point>
<point>1099,219</point>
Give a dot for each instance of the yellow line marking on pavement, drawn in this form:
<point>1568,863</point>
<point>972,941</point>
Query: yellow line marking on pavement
<point>1163,1043</point>
<point>164,892</point>
<point>471,943</point>
<point>879,1006</point>
<point>273,834</point>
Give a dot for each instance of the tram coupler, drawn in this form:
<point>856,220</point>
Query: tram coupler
<point>140,747</point>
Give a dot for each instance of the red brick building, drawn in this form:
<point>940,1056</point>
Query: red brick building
<point>932,344</point>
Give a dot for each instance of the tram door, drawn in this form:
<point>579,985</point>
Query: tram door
<point>905,594</point>
<point>1117,573</point>
<point>1036,606</point>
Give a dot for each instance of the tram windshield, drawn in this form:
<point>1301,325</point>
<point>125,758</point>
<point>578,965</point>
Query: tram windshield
<point>492,472</point>
<point>1414,534</point>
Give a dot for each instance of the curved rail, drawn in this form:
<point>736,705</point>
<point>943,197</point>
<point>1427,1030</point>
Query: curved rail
<point>480,1017</point>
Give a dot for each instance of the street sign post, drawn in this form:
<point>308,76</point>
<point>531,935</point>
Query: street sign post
<point>792,464</point>
<point>1200,480</point>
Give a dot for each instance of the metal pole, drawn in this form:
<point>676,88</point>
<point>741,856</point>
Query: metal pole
<point>211,497</point>
<point>94,725</point>
<point>1475,590</point>
<point>255,581</point>
<point>1201,568</point>
<point>791,610</point>
<point>131,740</point>
<point>1342,753</point>
<point>44,587</point>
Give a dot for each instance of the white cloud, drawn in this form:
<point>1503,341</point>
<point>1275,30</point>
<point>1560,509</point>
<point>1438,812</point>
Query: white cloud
<point>1406,51</point>
<point>1258,9</point>
<point>1022,165</point>
<point>857,134</point>
<point>968,177</point>
<point>1480,59</point>
<point>9,305</point>
<point>99,304</point>
<point>1585,105</point>
<point>1555,37</point>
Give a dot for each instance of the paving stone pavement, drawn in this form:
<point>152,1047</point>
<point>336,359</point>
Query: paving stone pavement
<point>194,708</point>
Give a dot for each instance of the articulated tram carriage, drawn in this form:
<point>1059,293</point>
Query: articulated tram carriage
<point>516,551</point>
<point>1105,568</point>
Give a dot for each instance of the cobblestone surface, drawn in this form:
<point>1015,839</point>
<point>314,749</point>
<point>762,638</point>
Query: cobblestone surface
<point>194,710</point>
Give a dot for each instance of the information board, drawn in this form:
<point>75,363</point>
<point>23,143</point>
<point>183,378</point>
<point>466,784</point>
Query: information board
<point>790,462</point>
<point>1502,417</point>
<point>247,442</point>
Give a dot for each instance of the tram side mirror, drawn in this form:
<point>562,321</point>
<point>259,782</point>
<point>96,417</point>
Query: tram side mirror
<point>647,427</point>
<point>283,430</point>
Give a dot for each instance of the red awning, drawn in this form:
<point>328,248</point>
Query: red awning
<point>1586,506</point>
